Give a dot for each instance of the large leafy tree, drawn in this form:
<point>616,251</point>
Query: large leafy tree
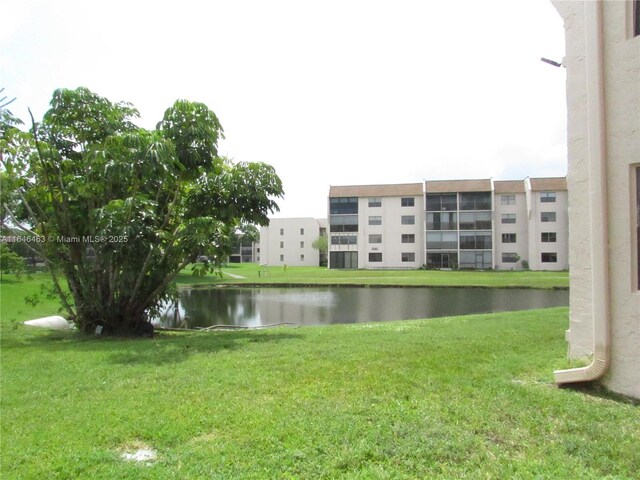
<point>120,209</point>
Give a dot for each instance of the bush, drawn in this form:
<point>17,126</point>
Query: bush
<point>10,262</point>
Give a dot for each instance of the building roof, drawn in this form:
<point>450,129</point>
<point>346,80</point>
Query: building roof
<point>451,186</point>
<point>397,190</point>
<point>508,186</point>
<point>552,183</point>
<point>448,186</point>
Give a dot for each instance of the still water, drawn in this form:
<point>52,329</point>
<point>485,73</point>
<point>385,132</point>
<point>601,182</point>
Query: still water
<point>254,307</point>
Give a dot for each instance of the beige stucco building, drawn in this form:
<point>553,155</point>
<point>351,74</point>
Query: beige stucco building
<point>376,226</point>
<point>450,224</point>
<point>603,99</point>
<point>547,214</point>
<point>289,241</point>
<point>512,230</point>
<point>531,223</point>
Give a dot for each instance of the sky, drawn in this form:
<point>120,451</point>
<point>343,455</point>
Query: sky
<point>331,92</point>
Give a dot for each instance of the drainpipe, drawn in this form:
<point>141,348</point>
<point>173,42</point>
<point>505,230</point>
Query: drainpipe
<point>598,202</point>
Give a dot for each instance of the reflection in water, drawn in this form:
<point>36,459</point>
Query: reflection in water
<point>253,307</point>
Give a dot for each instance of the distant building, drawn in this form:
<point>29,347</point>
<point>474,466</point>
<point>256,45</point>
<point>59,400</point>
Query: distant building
<point>289,241</point>
<point>450,224</point>
<point>459,225</point>
<point>376,226</point>
<point>548,223</point>
<point>603,96</point>
<point>512,228</point>
<point>244,251</point>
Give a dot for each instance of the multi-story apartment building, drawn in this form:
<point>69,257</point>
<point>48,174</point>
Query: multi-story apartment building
<point>548,223</point>
<point>448,224</point>
<point>376,226</point>
<point>459,224</point>
<point>531,224</point>
<point>476,224</point>
<point>289,241</point>
<point>512,224</point>
<point>244,251</point>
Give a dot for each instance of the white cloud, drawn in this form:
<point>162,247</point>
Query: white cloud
<point>332,92</point>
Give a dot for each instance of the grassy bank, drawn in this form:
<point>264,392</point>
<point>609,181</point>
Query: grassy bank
<point>464,397</point>
<point>253,274</point>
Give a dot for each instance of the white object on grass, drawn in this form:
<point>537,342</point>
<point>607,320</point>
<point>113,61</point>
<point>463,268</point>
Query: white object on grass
<point>54,322</point>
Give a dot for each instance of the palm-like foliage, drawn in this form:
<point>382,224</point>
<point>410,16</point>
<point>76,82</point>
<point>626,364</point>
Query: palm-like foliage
<point>123,209</point>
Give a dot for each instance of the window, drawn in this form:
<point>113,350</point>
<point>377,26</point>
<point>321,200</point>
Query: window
<point>548,237</point>
<point>281,244</point>
<point>375,202</point>
<point>343,206</point>
<point>475,240</point>
<point>637,193</point>
<point>507,199</point>
<point>302,257</point>
<point>408,238</point>
<point>343,223</point>
<point>508,218</point>
<point>442,202</point>
<point>548,197</point>
<point>475,221</point>
<point>510,258</point>
<point>407,201</point>
<point>282,258</point>
<point>442,221</point>
<point>475,201</point>
<point>508,238</point>
<point>408,220</point>
<point>344,240</point>
<point>375,220</point>
<point>442,260</point>
<point>343,259</point>
<point>282,231</point>
<point>548,216</point>
<point>408,257</point>
<point>442,240</point>
<point>302,231</point>
<point>470,259</point>
<point>375,257</point>
<point>375,238</point>
<point>549,257</point>
<point>301,244</point>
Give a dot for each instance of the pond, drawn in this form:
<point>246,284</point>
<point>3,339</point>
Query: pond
<point>255,307</point>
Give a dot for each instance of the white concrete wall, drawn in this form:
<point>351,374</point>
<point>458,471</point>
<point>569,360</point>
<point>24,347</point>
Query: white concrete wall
<point>621,133</point>
<point>537,227</point>
<point>520,228</point>
<point>392,229</point>
<point>283,242</point>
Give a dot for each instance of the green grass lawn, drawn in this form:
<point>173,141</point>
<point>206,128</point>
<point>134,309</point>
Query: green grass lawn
<point>449,398</point>
<point>252,273</point>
